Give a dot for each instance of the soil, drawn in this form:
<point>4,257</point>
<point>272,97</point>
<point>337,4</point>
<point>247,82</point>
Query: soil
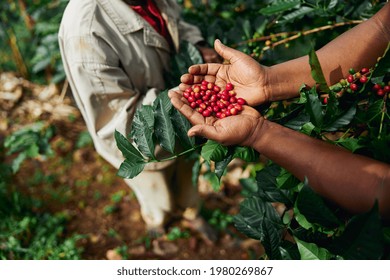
<point>99,205</point>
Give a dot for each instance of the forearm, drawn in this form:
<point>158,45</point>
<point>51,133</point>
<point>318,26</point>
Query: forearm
<point>357,48</point>
<point>350,180</point>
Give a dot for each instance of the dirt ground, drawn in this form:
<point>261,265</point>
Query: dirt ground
<point>99,205</point>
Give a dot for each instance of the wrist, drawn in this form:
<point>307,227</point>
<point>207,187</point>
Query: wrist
<point>285,79</point>
<point>258,133</point>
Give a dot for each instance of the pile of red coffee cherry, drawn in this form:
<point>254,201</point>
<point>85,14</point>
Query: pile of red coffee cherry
<point>210,100</point>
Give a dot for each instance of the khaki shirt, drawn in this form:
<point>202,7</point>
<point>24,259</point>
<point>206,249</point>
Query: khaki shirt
<point>114,61</point>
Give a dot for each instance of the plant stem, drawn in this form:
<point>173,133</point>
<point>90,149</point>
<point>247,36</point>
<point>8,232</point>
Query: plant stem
<point>382,117</point>
<point>314,30</point>
<point>177,155</point>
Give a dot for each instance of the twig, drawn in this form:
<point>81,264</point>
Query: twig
<point>64,90</point>
<point>314,30</point>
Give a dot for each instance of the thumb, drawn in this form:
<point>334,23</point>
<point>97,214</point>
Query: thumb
<point>203,130</point>
<point>226,52</point>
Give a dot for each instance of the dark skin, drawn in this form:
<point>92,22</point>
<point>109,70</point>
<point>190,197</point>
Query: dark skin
<point>352,181</point>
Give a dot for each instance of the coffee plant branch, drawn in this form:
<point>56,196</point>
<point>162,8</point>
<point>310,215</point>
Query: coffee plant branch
<point>293,35</point>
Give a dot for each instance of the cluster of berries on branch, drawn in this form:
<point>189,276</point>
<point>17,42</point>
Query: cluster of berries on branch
<point>355,81</point>
<point>210,100</point>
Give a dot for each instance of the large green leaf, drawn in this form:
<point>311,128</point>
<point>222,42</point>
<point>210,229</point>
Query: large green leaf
<point>315,210</point>
<point>310,251</point>
<point>214,151</point>
<point>130,169</point>
<point>142,132</point>
<point>246,153</point>
<point>163,126</point>
<point>342,120</point>
<point>268,186</point>
<point>127,148</point>
<point>313,107</point>
<point>220,166</point>
<point>362,238</point>
<point>259,220</point>
<point>271,238</point>
<point>252,212</point>
<point>286,180</point>
<point>148,115</point>
<point>181,126</point>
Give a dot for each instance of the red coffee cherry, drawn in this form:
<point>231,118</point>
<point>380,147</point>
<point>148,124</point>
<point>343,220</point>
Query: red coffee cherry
<point>211,100</point>
<point>229,86</point>
<point>350,78</point>
<point>353,86</point>
<point>363,79</point>
<point>380,92</point>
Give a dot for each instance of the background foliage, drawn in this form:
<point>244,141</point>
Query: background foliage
<point>271,32</point>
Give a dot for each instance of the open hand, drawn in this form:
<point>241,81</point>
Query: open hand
<point>246,74</point>
<point>240,129</point>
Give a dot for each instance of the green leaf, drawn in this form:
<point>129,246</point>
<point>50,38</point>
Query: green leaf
<point>271,238</point>
<point>246,153</point>
<point>342,120</point>
<point>301,219</point>
<point>313,207</point>
<point>249,186</point>
<point>142,133</point>
<point>351,144</point>
<point>280,6</point>
<point>362,238</point>
<point>289,251</point>
<point>220,166</point>
<point>383,65</point>
<point>298,122</point>
<point>195,172</point>
<point>181,126</point>
<point>32,151</point>
<point>268,188</point>
<point>130,169</point>
<point>286,180</point>
<point>297,14</point>
<point>252,212</point>
<point>127,149</point>
<point>163,126</point>
<point>213,180</point>
<point>213,151</point>
<point>374,111</point>
<point>148,115</point>
<point>316,72</point>
<point>314,108</point>
<point>188,55</point>
<point>310,251</point>
<point>308,128</point>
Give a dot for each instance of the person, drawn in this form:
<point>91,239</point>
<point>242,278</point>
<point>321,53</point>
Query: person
<point>115,54</point>
<point>352,181</point>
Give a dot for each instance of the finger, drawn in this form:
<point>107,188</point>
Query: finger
<point>208,69</point>
<point>203,130</point>
<point>192,115</point>
<point>227,53</point>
